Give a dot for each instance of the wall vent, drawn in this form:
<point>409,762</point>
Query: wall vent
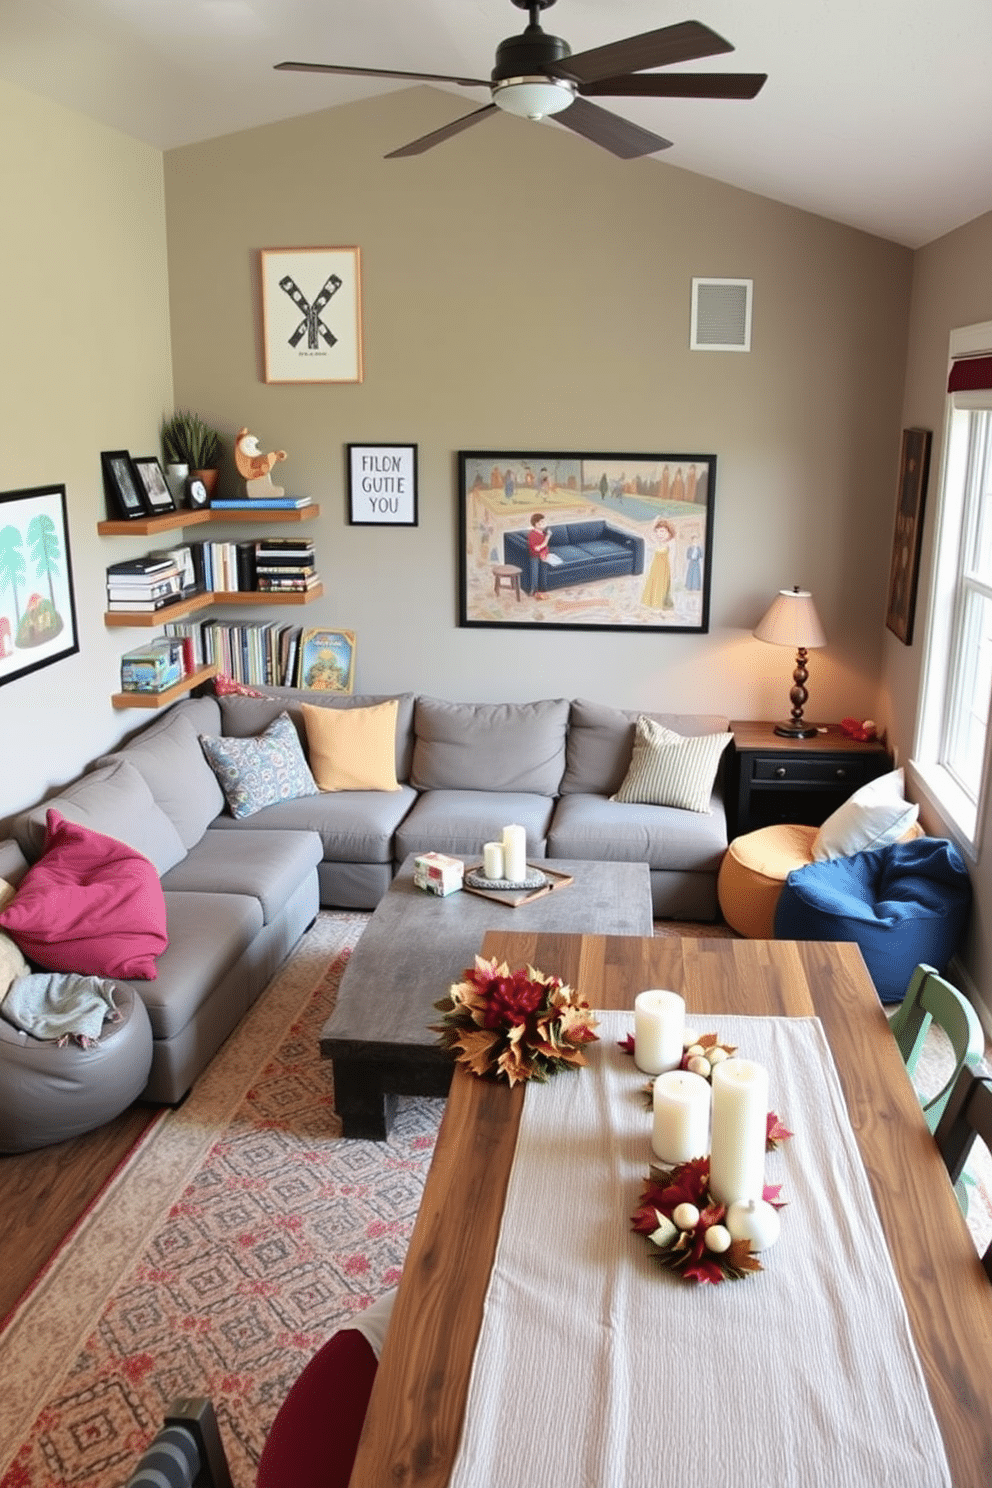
<point>721,315</point>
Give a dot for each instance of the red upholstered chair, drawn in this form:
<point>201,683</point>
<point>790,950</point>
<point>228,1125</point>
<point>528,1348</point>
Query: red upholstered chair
<point>314,1437</point>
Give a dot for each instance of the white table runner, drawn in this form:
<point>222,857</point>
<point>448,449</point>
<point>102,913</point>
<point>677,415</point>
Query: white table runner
<point>596,1367</point>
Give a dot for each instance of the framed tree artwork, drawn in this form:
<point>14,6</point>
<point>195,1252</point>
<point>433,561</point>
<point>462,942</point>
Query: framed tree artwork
<point>37,604</point>
<point>914,471</point>
<point>576,541</point>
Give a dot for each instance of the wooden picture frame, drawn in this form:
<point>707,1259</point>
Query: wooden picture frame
<point>37,601</point>
<point>634,534</point>
<point>382,485</point>
<point>327,660</point>
<point>126,498</point>
<point>153,482</point>
<point>904,572</point>
<point>312,314</point>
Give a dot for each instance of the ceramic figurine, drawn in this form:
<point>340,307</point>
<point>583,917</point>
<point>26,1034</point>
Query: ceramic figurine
<point>255,466</point>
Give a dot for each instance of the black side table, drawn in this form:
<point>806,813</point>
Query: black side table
<point>774,779</point>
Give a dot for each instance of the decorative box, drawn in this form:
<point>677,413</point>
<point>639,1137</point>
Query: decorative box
<point>152,668</point>
<point>437,873</point>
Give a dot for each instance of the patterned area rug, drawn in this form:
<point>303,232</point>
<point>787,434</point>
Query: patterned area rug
<point>240,1233</point>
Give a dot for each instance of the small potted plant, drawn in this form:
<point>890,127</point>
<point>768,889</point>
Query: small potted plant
<point>187,440</point>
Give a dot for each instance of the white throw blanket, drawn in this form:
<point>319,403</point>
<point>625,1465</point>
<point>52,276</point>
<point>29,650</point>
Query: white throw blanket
<point>60,1005</point>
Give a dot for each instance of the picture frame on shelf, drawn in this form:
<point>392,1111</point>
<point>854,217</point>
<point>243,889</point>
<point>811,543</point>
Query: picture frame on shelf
<point>382,485</point>
<point>576,541</point>
<point>312,314</point>
<point>907,535</point>
<point>156,490</point>
<point>37,601</point>
<point>126,498</point>
<point>327,660</point>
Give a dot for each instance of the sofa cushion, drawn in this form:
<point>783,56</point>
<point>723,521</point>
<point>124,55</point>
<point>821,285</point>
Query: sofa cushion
<point>91,904</point>
<point>354,826</point>
<point>874,816</point>
<point>266,863</point>
<point>459,822</point>
<point>664,837</point>
<point>352,748</point>
<point>243,715</point>
<point>258,772</point>
<point>115,801</point>
<point>601,743</point>
<point>208,934</point>
<point>169,759</point>
<point>12,962</point>
<point>670,769</point>
<point>489,746</point>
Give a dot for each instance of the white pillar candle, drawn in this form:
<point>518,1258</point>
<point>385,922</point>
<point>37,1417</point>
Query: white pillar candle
<point>681,1117</point>
<point>659,1021</point>
<point>492,860</point>
<point>737,1145</point>
<point>515,853</point>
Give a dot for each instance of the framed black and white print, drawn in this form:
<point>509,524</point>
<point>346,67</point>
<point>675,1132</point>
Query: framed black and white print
<point>575,541</point>
<point>382,485</point>
<point>37,604</point>
<point>312,314</point>
<point>125,493</point>
<point>152,478</point>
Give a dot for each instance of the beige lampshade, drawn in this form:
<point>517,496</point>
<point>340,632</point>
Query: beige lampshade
<point>792,621</point>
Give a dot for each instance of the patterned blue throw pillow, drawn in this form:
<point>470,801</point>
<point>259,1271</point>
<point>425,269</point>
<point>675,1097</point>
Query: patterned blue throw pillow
<point>258,772</point>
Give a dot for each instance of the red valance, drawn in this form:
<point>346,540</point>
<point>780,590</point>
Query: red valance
<point>970,374</point>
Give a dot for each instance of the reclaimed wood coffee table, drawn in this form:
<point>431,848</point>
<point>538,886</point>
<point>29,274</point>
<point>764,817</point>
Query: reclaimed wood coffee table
<point>414,946</point>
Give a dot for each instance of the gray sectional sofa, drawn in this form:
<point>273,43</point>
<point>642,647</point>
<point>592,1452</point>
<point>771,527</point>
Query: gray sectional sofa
<point>240,893</point>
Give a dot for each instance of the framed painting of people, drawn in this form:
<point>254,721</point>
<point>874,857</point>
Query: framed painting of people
<point>575,541</point>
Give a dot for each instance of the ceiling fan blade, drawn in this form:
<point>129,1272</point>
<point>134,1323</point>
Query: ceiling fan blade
<point>383,72</point>
<point>438,136</point>
<point>681,43</point>
<point>677,85</point>
<point>615,134</point>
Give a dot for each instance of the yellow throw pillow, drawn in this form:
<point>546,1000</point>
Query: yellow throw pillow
<point>352,748</point>
<point>12,963</point>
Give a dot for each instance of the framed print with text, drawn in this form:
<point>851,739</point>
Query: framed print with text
<point>382,485</point>
<point>312,314</point>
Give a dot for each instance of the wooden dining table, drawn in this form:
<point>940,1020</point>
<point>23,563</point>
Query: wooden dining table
<point>415,1417</point>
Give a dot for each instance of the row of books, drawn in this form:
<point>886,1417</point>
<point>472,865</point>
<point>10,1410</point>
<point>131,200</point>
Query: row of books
<point>284,565</point>
<point>256,652</point>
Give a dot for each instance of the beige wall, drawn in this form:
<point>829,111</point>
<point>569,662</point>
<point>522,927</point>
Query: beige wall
<point>951,287</point>
<point>523,289</point>
<point>85,366</point>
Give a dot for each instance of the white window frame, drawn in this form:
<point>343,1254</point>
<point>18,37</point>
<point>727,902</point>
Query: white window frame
<point>963,815</point>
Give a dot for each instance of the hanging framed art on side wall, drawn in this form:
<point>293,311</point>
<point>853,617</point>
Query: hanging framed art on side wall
<point>37,603</point>
<point>312,314</point>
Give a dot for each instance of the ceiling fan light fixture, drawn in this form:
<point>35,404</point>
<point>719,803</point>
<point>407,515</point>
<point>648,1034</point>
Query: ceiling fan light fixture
<point>533,97</point>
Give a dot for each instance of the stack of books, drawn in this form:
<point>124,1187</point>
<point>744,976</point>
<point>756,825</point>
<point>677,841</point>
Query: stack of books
<point>285,565</point>
<point>144,584</point>
<point>261,503</point>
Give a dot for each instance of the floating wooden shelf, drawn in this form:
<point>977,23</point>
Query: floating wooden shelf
<point>162,699</point>
<point>169,521</point>
<point>134,618</point>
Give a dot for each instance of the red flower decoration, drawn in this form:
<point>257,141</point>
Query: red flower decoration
<point>685,1250</point>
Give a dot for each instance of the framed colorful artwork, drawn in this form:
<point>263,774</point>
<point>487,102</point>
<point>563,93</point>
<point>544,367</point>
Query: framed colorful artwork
<point>914,471</point>
<point>327,660</point>
<point>585,541</point>
<point>37,603</point>
<point>382,485</point>
<point>312,314</point>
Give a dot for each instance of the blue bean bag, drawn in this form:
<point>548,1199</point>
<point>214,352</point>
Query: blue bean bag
<point>901,904</point>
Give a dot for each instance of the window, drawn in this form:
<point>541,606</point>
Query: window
<point>953,741</point>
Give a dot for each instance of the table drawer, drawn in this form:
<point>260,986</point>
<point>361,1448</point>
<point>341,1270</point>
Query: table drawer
<point>825,770</point>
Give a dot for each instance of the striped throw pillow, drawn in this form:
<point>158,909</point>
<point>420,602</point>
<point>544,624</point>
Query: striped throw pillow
<point>669,769</point>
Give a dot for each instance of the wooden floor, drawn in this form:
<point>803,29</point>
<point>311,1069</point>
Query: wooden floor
<point>44,1193</point>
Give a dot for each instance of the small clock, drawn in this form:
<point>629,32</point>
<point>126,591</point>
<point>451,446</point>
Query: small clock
<point>196,493</point>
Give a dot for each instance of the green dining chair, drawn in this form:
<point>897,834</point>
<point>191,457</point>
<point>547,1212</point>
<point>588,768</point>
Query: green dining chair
<point>930,999</point>
<point>967,1115</point>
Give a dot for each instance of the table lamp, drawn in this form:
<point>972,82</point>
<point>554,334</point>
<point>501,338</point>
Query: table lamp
<point>792,621</point>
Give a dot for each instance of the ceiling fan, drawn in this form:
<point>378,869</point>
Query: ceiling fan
<point>536,75</point>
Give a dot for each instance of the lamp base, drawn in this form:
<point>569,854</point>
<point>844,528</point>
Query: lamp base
<point>800,730</point>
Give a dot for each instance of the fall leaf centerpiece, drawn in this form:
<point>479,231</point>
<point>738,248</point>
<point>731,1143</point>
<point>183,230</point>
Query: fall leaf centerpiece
<point>514,1025</point>
<point>702,1240</point>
